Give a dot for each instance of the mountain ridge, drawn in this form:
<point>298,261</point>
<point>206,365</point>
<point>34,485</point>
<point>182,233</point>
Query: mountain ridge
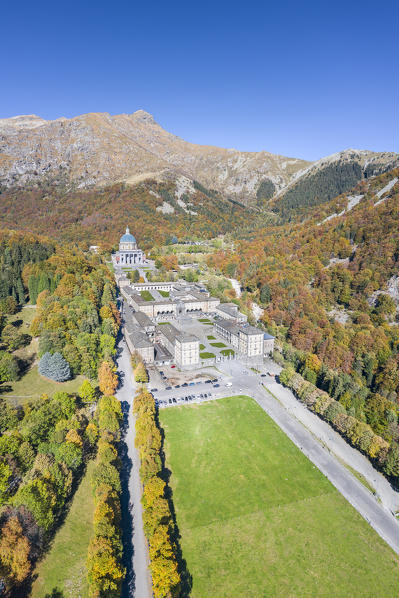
<point>98,149</point>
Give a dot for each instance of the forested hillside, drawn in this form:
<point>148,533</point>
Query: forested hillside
<point>330,294</point>
<point>46,443</point>
<point>153,210</point>
<point>327,179</point>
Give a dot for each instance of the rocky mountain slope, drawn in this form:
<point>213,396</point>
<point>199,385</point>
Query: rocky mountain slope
<point>97,149</point>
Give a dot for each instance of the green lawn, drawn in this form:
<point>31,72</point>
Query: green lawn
<point>204,321</point>
<point>64,566</point>
<point>26,316</point>
<point>202,347</point>
<point>257,519</point>
<point>32,385</point>
<point>227,352</point>
<point>146,295</point>
<point>218,344</point>
<point>163,323</point>
<point>164,293</point>
<point>211,338</point>
<point>206,355</point>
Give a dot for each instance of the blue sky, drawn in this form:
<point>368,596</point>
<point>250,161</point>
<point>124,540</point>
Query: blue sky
<point>303,79</point>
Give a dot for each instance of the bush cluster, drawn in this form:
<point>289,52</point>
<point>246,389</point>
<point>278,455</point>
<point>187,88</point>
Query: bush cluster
<point>104,561</point>
<point>358,433</point>
<point>157,517</point>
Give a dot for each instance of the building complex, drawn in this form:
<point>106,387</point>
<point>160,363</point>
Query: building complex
<point>148,303</point>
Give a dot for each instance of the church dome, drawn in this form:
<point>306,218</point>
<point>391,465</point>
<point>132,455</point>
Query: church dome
<point>127,237</point>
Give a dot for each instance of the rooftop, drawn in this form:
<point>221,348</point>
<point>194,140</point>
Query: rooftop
<point>173,334</point>
<point>127,237</point>
<point>142,319</point>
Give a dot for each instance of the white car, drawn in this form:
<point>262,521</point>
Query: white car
<point>229,384</point>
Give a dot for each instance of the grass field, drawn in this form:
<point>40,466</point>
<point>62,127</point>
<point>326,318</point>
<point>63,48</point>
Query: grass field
<point>218,344</point>
<point>210,337</point>
<point>64,566</point>
<point>146,295</point>
<point>164,293</point>
<point>206,355</point>
<point>31,384</point>
<point>257,519</point>
<point>227,352</point>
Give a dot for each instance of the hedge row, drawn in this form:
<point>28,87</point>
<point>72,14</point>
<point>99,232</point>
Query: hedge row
<point>157,517</point>
<point>358,433</point>
<point>104,562</point>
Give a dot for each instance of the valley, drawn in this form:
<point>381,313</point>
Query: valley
<point>234,250</point>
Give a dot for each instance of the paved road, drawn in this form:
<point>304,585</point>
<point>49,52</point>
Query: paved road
<point>138,581</point>
<point>364,502</point>
<point>336,444</point>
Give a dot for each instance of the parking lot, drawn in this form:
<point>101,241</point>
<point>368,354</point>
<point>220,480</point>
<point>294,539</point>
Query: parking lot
<point>231,379</point>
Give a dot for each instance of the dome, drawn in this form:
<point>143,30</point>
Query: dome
<point>127,237</point>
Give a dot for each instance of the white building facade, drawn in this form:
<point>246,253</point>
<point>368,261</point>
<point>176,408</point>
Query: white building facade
<point>129,254</point>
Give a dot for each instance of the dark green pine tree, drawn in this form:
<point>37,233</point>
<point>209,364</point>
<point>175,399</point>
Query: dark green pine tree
<point>20,292</point>
<point>32,287</point>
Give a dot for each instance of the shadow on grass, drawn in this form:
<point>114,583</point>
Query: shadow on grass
<point>185,575</point>
<point>55,593</point>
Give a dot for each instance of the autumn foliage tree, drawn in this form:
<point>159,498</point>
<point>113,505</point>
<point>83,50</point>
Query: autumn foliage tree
<point>107,378</point>
<point>157,518</point>
<point>105,570</point>
<point>15,549</point>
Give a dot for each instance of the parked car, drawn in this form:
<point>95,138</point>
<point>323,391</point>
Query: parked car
<point>208,381</point>
<point>214,380</point>
<point>192,384</point>
<point>185,384</point>
<point>186,399</point>
<point>177,386</point>
<point>168,388</point>
<point>172,366</point>
<point>229,384</point>
<point>174,400</point>
<point>263,375</point>
<point>153,390</point>
<point>216,385</point>
<point>170,401</point>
